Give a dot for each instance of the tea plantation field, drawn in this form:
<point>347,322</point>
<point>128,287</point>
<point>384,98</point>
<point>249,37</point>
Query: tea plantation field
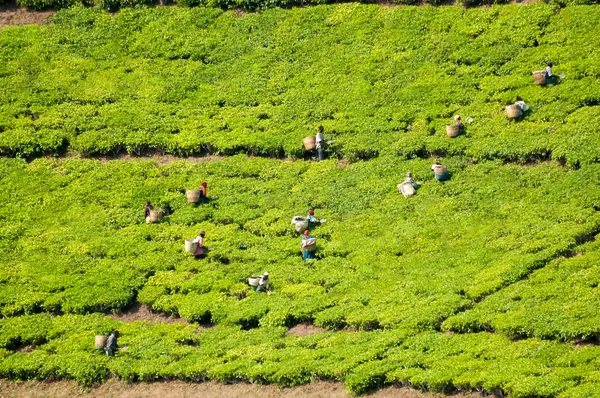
<point>489,255</point>
<point>486,282</point>
<point>381,80</point>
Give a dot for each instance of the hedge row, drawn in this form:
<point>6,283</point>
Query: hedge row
<point>253,5</point>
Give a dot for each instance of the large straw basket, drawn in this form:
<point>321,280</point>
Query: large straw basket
<point>190,245</point>
<point>156,215</point>
<point>301,226</point>
<point>539,77</point>
<point>193,195</point>
<point>100,342</point>
<point>309,143</point>
<point>452,130</point>
<point>441,170</point>
<point>513,111</point>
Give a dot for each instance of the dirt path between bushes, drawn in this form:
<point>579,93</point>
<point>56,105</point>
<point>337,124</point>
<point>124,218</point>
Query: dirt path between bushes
<point>14,16</point>
<point>178,389</point>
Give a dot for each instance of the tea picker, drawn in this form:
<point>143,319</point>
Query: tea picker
<point>408,186</point>
<point>111,344</point>
<point>320,141</point>
<point>312,220</point>
<point>147,211</point>
<point>151,215</point>
<point>308,244</point>
<point>260,283</point>
<point>199,252</point>
<point>440,172</point>
<point>522,107</point>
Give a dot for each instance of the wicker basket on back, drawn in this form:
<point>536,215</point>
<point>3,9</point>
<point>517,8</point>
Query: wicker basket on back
<point>539,77</point>
<point>156,215</point>
<point>452,130</point>
<point>310,142</point>
<point>190,245</point>
<point>100,342</point>
<point>513,111</point>
<point>440,170</point>
<point>193,195</point>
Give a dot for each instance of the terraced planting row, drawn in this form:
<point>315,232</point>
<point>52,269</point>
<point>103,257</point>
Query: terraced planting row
<point>391,274</point>
<point>380,80</point>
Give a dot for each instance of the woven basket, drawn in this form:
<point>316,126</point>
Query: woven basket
<point>100,342</point>
<point>309,143</point>
<point>156,215</point>
<point>193,195</point>
<point>441,170</point>
<point>539,77</point>
<point>301,226</point>
<point>513,111</point>
<point>406,189</point>
<point>190,245</point>
<point>452,130</point>
<point>253,281</point>
<point>309,245</point>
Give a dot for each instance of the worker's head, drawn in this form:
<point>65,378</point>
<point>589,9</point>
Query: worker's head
<point>147,203</point>
<point>456,118</point>
<point>549,63</point>
<point>311,212</point>
<point>266,274</point>
<point>437,161</point>
<point>116,333</point>
<point>519,98</point>
<point>306,233</point>
<point>204,184</point>
<point>202,233</point>
<point>320,129</point>
<point>409,174</point>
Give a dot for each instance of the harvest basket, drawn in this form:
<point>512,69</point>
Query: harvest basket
<point>309,245</point>
<point>190,245</point>
<point>309,143</point>
<point>156,215</point>
<point>539,77</point>
<point>406,189</point>
<point>441,170</point>
<point>193,195</point>
<point>513,111</point>
<point>452,130</point>
<point>100,342</point>
<point>301,226</point>
<point>253,281</point>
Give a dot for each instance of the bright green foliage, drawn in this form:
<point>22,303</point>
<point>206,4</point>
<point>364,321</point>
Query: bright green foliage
<point>380,80</point>
<point>74,241</point>
<point>504,250</point>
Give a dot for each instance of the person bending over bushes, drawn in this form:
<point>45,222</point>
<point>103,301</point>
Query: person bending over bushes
<point>111,344</point>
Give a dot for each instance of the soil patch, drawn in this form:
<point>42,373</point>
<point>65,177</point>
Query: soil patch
<point>10,16</point>
<point>162,159</point>
<point>305,329</point>
<point>178,389</point>
<point>140,312</point>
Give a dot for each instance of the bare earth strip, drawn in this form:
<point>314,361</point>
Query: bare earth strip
<point>178,389</point>
<point>10,16</point>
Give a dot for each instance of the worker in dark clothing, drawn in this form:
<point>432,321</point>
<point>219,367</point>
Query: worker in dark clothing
<point>203,197</point>
<point>111,344</point>
<point>147,210</point>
